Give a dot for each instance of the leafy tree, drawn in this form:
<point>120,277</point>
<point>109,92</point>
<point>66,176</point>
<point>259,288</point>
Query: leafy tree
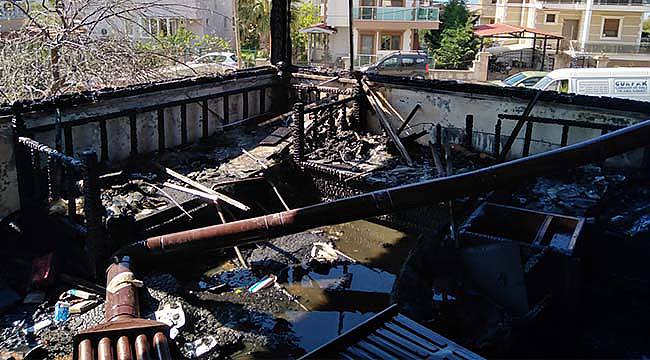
<point>646,26</point>
<point>254,25</point>
<point>303,14</point>
<point>458,46</point>
<point>455,30</point>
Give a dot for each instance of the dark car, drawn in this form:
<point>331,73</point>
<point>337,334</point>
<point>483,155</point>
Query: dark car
<point>413,64</point>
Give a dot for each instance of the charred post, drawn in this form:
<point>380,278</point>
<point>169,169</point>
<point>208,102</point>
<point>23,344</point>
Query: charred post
<point>298,133</point>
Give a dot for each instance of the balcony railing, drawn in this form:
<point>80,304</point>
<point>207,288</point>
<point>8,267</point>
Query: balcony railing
<point>8,11</point>
<point>613,48</point>
<point>395,13</point>
<point>600,2</point>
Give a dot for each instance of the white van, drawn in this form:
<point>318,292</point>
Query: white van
<point>626,83</point>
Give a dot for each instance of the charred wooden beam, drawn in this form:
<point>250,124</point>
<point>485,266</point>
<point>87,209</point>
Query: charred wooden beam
<point>398,198</point>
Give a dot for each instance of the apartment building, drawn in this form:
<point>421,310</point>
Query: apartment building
<point>379,27</point>
<point>201,17</point>
<point>590,28</point>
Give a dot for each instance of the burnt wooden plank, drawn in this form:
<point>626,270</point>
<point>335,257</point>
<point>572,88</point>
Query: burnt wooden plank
<point>262,100</point>
<point>226,110</point>
<point>565,136</point>
<point>276,137</point>
<point>245,104</point>
<point>67,138</point>
<point>528,138</point>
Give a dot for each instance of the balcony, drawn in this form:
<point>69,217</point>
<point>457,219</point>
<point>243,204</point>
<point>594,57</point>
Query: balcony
<point>582,3</point>
<point>612,48</point>
<point>396,14</point>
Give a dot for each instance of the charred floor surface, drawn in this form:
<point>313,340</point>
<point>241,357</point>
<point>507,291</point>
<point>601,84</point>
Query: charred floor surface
<point>564,252</point>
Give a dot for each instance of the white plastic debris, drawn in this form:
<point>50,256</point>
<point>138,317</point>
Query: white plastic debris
<point>323,252</point>
<point>262,284</point>
<point>172,315</point>
<point>200,347</point>
<point>38,326</point>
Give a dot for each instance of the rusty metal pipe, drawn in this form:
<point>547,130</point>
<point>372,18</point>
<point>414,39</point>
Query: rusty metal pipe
<point>397,198</point>
<point>105,349</point>
<point>121,294</point>
<point>142,351</point>
<point>161,346</point>
<point>86,350</point>
<point>124,349</point>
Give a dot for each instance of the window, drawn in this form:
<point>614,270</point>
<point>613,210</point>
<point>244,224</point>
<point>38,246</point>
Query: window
<point>550,18</point>
<point>164,27</point>
<point>611,28</point>
<point>391,42</point>
<point>408,61</point>
<point>395,3</point>
<point>530,81</point>
<point>390,62</point>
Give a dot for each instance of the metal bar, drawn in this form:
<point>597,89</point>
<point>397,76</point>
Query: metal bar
<point>183,124</point>
<point>161,130</point>
<point>121,302</point>
<point>518,126</point>
<point>497,137</point>
<point>351,35</point>
<point>204,118</point>
<point>572,123</point>
<point>94,242</point>
<point>402,197</point>
<point>565,136</point>
<point>226,110</point>
<point>469,132</point>
<point>245,104</point>
<point>298,133</point>
<point>527,138</point>
<point>103,134</point>
<point>262,100</point>
<point>133,131</point>
<point>67,138</point>
<point>328,105</point>
<point>409,118</point>
<point>145,109</point>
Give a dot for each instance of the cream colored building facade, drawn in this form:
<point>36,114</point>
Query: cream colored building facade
<point>589,27</point>
<point>379,27</point>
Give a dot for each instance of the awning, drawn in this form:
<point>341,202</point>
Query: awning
<point>321,28</point>
<point>505,30</point>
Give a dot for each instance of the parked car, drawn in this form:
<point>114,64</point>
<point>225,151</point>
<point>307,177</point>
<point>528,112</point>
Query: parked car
<point>225,61</point>
<point>626,83</point>
<point>524,78</point>
<point>210,63</point>
<point>413,64</point>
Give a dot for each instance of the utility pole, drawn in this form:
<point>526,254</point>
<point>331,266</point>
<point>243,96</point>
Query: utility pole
<point>235,13</point>
<point>351,36</point>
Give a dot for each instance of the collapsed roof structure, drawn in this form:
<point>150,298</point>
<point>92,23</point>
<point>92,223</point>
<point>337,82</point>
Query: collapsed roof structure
<point>133,178</point>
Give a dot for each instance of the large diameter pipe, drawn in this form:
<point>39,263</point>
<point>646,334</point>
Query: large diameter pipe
<point>402,197</point>
<point>121,293</point>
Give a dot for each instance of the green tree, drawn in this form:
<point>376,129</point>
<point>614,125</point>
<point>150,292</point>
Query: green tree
<point>254,25</point>
<point>458,47</point>
<point>646,26</point>
<point>303,14</point>
<point>454,44</point>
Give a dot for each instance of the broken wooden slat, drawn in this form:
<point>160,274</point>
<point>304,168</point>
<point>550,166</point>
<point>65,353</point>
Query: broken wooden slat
<point>67,139</point>
<point>204,118</point>
<point>565,136</point>
<point>103,134</point>
<point>198,193</point>
<point>226,110</point>
<point>205,189</point>
<point>528,138</point>
<point>497,137</point>
<point>374,102</point>
<point>518,126</point>
<point>409,118</point>
<point>469,130</point>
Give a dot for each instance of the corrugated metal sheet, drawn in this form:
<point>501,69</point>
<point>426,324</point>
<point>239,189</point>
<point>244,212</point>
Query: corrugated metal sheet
<point>390,335</point>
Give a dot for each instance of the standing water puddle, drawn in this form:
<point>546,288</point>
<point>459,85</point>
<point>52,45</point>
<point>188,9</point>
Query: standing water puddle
<point>342,296</point>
